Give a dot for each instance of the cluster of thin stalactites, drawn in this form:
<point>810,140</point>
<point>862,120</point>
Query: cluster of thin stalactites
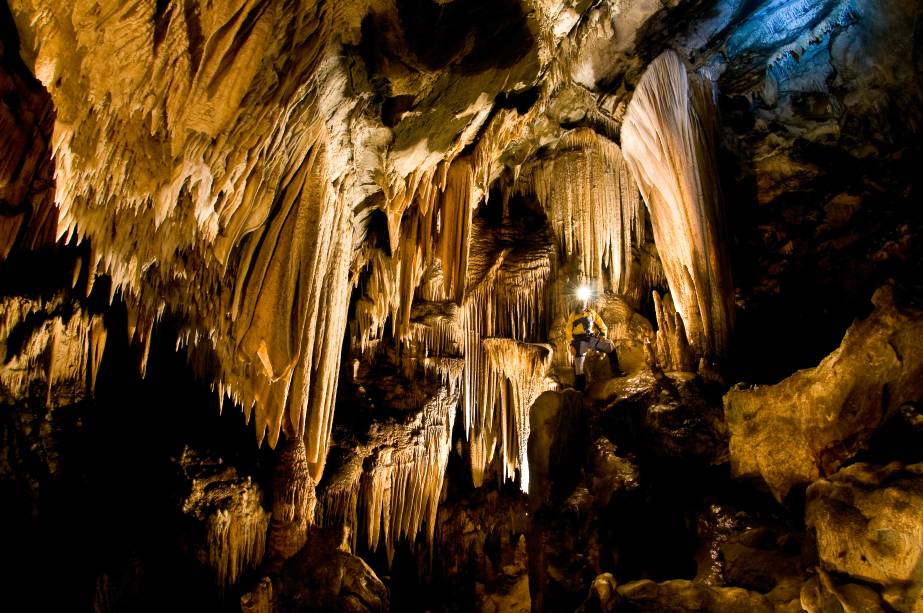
<point>255,247</point>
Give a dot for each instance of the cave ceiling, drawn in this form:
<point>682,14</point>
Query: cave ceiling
<point>278,175</point>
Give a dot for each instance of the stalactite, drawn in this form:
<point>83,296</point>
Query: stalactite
<point>519,369</point>
<point>411,478</point>
<point>231,508</point>
<point>506,299</point>
<point>53,345</point>
<point>393,482</point>
<point>211,187</point>
<point>592,204</point>
<point>668,141</point>
<point>378,302</point>
<point>455,215</point>
<point>237,537</point>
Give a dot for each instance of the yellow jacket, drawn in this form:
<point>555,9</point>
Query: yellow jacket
<point>582,323</point>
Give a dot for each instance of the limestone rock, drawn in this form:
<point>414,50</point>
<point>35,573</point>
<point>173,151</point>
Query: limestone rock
<point>748,547</point>
<point>774,568</point>
<point>555,446</point>
<point>869,525</point>
<point>293,501</point>
<point>231,508</point>
<point>603,596</point>
<point>479,541</point>
<point>562,540</point>
<point>27,213</point>
<point>323,577</point>
<point>51,350</point>
<point>259,599</point>
<point>677,415</point>
<point>822,595</point>
<point>800,429</point>
<point>680,596</point>
<point>386,482</point>
<point>611,474</point>
<point>668,137</point>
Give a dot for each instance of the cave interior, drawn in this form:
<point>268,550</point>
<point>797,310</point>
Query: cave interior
<point>284,288</point>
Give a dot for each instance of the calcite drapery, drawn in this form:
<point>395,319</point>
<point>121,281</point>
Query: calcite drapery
<point>593,205</point>
<point>389,486</point>
<point>193,150</point>
<point>668,142</point>
<point>231,508</point>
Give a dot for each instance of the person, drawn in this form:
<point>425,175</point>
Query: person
<point>586,330</point>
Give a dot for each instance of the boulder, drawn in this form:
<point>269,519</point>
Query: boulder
<point>821,595</point>
<point>675,414</point>
<point>324,577</point>
<point>680,595</point>
<point>806,426</point>
<point>869,526</point>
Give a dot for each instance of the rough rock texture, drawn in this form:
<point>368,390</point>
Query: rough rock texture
<point>679,595</point>
<point>677,416</point>
<point>51,350</point>
<point>822,595</point>
<point>806,426</point>
<point>231,509</point>
<point>869,525</point>
<point>324,577</point>
<point>752,548</point>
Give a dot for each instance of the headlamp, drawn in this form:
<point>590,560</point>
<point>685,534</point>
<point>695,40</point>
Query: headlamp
<point>583,293</point>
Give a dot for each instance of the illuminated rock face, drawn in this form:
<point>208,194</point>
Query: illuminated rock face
<point>52,350</point>
<point>230,508</point>
<point>806,426</point>
<point>869,526</point>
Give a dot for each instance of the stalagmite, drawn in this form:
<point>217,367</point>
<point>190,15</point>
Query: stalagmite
<point>293,501</point>
<point>592,204</point>
<point>668,142</point>
<point>671,343</point>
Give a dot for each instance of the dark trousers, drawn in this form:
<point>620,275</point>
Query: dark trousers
<point>584,344</point>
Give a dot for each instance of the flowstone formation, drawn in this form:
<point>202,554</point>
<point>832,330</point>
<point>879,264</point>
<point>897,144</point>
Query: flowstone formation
<point>359,227</point>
